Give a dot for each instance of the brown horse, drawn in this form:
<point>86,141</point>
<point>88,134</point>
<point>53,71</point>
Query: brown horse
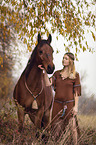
<point>31,95</point>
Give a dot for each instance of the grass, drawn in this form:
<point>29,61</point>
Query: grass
<point>87,124</point>
<point>9,134</point>
<point>87,121</point>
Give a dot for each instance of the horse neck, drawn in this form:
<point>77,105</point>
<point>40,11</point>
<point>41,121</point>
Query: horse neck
<point>34,79</point>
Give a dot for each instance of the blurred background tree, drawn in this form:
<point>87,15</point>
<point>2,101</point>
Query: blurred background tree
<point>6,65</point>
<point>87,100</point>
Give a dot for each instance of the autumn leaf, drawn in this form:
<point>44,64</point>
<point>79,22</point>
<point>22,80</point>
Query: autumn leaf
<point>94,37</point>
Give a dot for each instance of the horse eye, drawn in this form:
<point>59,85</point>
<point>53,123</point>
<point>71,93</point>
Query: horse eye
<point>40,51</point>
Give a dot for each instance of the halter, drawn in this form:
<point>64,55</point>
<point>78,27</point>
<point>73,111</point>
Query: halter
<point>34,105</point>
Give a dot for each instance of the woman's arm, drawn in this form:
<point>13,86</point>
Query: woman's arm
<point>48,81</point>
<point>46,78</point>
<point>77,92</point>
<point>76,97</point>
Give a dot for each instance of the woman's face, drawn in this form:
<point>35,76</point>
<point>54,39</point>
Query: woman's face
<point>66,60</point>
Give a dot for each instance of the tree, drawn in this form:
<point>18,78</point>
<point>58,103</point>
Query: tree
<point>6,64</point>
<point>66,17</point>
<point>6,80</point>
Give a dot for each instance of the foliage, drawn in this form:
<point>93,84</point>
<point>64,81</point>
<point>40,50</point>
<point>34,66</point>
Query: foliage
<point>65,17</point>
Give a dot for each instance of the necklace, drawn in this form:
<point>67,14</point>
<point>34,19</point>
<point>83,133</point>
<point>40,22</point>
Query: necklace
<point>64,74</point>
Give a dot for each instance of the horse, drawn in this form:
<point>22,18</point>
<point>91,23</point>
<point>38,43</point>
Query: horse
<point>31,94</point>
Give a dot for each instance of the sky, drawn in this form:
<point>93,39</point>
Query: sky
<point>87,66</point>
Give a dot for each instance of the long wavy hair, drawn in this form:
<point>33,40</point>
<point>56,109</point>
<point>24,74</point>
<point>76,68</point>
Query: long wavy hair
<point>71,68</point>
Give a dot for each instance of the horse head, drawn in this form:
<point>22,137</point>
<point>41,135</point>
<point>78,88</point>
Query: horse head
<point>45,54</point>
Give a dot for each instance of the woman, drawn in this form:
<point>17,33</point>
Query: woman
<point>67,88</point>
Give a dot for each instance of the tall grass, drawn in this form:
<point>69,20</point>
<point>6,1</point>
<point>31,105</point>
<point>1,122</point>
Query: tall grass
<point>9,134</point>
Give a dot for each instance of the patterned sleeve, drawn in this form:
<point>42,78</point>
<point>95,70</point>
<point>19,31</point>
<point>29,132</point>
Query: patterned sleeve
<point>77,85</point>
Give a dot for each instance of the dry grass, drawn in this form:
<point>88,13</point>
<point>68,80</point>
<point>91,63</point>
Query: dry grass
<point>87,121</point>
<point>9,134</point>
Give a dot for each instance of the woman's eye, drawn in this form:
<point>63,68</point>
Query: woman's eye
<point>40,52</point>
<point>66,58</point>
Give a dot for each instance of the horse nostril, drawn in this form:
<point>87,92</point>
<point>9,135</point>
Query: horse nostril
<point>50,69</point>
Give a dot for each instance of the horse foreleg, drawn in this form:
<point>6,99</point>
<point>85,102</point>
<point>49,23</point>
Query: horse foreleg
<point>21,116</point>
<point>47,118</point>
<point>38,118</point>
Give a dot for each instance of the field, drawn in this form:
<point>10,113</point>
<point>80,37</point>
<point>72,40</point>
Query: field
<point>9,134</point>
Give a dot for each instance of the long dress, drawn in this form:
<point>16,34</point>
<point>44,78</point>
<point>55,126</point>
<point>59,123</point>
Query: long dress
<point>64,98</point>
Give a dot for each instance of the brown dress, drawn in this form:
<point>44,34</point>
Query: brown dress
<point>64,97</point>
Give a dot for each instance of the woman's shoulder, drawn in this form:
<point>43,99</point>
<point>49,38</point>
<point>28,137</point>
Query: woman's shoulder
<point>77,75</point>
<point>56,73</point>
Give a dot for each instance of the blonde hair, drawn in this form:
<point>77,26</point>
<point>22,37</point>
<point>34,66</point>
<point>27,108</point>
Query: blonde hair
<point>71,68</point>
<point>72,72</point>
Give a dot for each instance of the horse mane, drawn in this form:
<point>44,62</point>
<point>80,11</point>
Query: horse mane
<point>32,58</point>
<point>30,62</point>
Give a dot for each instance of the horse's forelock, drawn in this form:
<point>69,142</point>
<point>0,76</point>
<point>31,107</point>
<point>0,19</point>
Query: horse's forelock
<point>44,42</point>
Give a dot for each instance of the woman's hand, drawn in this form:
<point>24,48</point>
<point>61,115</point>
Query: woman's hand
<point>50,81</point>
<point>40,66</point>
<point>75,108</point>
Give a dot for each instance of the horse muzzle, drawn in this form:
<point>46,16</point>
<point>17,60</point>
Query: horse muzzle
<point>50,69</point>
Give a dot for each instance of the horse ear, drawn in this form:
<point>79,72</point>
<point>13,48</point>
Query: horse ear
<point>49,38</point>
<point>39,38</point>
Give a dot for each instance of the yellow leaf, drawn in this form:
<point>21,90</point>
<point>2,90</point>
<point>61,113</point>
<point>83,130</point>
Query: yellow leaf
<point>57,51</point>
<point>57,37</point>
<point>76,49</point>
<point>29,48</point>
<point>84,49</point>
<point>93,36</point>
<point>25,41</point>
